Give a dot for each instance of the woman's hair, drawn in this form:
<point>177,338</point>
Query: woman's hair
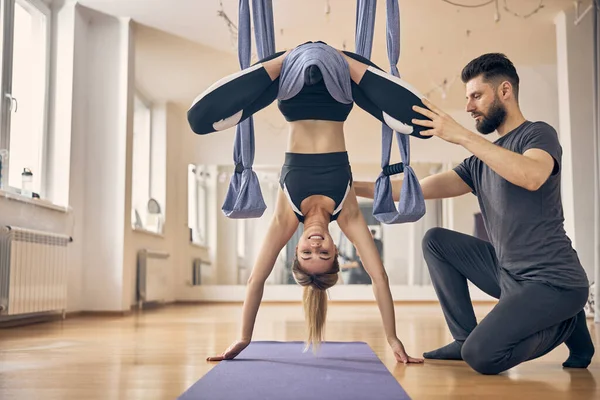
<point>314,299</point>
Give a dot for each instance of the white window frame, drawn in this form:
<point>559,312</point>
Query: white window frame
<point>6,99</point>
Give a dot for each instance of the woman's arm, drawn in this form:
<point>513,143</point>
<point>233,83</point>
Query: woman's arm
<point>282,227</point>
<point>236,97</point>
<point>354,226</point>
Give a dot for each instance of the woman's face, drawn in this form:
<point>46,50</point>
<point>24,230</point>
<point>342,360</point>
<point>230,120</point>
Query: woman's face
<point>316,251</point>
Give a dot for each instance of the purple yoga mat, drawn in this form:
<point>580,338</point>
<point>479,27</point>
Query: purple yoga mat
<point>281,371</point>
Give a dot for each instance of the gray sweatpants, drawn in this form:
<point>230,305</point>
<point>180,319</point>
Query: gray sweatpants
<point>529,320</point>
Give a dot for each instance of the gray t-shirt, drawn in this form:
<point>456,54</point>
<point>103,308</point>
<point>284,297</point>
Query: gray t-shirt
<point>526,227</point>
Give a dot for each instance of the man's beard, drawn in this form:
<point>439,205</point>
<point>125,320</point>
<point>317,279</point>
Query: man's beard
<point>494,118</point>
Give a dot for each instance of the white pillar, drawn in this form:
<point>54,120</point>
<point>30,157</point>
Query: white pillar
<point>104,173</point>
<point>575,76</point>
<point>596,27</point>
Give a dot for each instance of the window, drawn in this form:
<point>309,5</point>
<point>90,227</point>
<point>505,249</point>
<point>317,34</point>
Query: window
<point>197,207</point>
<point>149,165</point>
<point>140,171</point>
<point>25,65</point>
<point>146,210</point>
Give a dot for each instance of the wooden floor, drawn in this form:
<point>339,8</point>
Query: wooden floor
<point>159,353</point>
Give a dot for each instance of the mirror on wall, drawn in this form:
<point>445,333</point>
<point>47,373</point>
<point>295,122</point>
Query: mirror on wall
<point>237,242</point>
<point>399,247</point>
<point>198,177</point>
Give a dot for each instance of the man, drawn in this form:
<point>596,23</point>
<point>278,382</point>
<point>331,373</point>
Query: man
<point>529,263</point>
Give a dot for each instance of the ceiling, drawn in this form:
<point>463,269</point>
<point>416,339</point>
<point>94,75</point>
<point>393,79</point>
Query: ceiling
<point>437,38</point>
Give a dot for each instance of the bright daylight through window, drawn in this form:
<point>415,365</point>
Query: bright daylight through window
<point>23,137</point>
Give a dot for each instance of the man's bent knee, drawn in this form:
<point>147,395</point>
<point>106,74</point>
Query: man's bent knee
<point>476,356</point>
<point>431,237</point>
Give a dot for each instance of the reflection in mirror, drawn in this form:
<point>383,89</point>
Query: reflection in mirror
<point>399,245</point>
<point>198,177</point>
<point>351,265</point>
<point>250,232</point>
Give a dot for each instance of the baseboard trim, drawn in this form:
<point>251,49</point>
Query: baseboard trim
<point>19,321</point>
<point>336,302</point>
<point>16,321</point>
<point>109,314</point>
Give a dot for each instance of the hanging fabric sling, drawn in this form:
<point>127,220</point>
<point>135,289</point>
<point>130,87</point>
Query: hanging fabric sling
<point>411,206</point>
<point>244,198</point>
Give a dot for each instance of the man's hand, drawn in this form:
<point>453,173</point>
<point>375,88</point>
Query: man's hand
<point>400,353</point>
<point>441,124</point>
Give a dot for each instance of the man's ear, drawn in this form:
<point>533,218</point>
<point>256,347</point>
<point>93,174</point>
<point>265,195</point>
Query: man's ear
<point>505,88</point>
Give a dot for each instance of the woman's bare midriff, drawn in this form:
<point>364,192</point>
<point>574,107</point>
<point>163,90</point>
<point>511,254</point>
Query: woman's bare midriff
<point>316,136</point>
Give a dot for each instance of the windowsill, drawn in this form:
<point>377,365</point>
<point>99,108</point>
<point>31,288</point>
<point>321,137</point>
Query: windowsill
<point>199,246</point>
<point>149,233</point>
<point>36,202</point>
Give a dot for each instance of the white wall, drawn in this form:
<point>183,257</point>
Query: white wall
<point>164,61</point>
<point>575,77</point>
<point>175,237</point>
<point>72,115</point>
<point>107,131</point>
<point>88,132</point>
<point>103,274</point>
<point>154,54</point>
<point>179,69</point>
<point>100,118</point>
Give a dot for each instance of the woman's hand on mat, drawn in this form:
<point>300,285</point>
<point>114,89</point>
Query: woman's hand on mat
<point>231,352</point>
<point>440,124</point>
<point>400,353</point>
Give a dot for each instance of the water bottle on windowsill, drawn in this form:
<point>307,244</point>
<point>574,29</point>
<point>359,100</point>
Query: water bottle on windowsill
<point>27,183</point>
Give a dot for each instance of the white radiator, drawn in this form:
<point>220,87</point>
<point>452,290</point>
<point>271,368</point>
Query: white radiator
<point>33,271</point>
<point>152,277</point>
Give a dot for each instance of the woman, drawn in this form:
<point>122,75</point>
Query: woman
<point>316,179</point>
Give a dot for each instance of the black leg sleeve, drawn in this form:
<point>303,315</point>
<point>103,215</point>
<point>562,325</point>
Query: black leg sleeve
<point>233,99</point>
<point>387,98</point>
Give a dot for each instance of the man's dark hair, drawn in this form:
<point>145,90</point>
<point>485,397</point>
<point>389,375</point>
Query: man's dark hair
<point>495,68</point>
